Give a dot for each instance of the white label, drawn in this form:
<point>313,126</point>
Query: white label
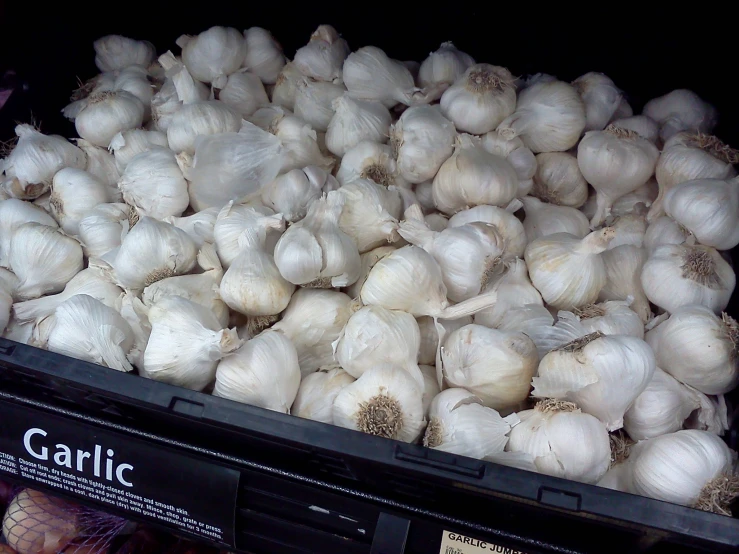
<point>454,543</point>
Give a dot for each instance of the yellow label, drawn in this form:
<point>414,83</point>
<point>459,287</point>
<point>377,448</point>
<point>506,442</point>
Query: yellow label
<point>454,543</point>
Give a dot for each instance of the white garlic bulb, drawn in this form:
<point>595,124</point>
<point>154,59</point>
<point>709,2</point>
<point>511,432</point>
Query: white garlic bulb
<point>629,228</point>
<point>213,55</point>
<point>323,57</point>
<point>86,329</point>
<point>430,387</point>
<point>13,214</point>
<point>264,55</point>
<point>494,365</point>
<point>444,66</point>
<point>708,208</point>
<point>681,110</point>
<point>367,261</point>
<point>515,292</point>
<point>563,441</point>
<point>423,140</point>
<point>244,93</point>
<point>678,275</point>
<point>610,318</point>
<point>114,52</point>
<point>369,160</point>
<point>6,304</point>
<point>104,227</point>
<point>8,280</point>
<point>429,333</point>
<point>506,224</point>
<point>200,225</point>
<point>106,114</point>
<point>234,219</point>
<point>315,251</point>
<point>128,144</point>
<point>480,99</point>
<point>698,348</point>
<point>101,165</point>
<point>317,392</point>
<point>151,251</point>
<point>517,154</point>
<point>43,259</point>
<point>285,88</point>
<point>370,213</point>
<point>641,124</point>
<point>188,89</point>
<point>601,97</point>
<point>549,117</point>
<point>558,180</point>
<point>566,270</point>
<point>369,74</point>
<point>200,118</point>
<point>135,79</point>
<point>354,121</point>
<point>623,278</point>
<point>291,193</point>
<point>615,162</point>
<point>313,320</point>
<point>664,230</point>
<point>692,468</point>
<point>385,401</point>
<point>186,343</point>
<point>473,176</point>
<point>314,102</point>
<point>544,219</point>
<point>602,374</point>
<point>460,424</point>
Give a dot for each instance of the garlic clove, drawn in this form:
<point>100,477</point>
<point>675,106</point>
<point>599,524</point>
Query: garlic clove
<point>317,392</point>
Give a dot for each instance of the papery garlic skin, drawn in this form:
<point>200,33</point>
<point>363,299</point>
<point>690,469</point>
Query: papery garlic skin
<point>563,441</point>
<point>101,165</point>
<point>367,262</point>
<point>641,124</point>
<point>460,424</point>
<point>494,365</point>
<point>370,213</point>
<point>128,144</point>
<point>234,220</point>
<point>480,99</point>
<point>549,117</point>
<point>285,88</point>
<point>444,66</point>
<point>264,55</point>
<point>506,224</point>
<point>369,160</point>
<point>200,225</point>
<point>664,230</point>
<point>424,140</point>
<point>244,93</point>
<point>544,219</point>
<point>678,275</point>
<point>369,74</point>
<point>323,57</point>
<point>611,318</point>
<point>104,227</point>
<point>601,97</point>
<point>430,386</point>
<point>314,102</point>
<point>107,114</point>
<point>517,154</point>
<point>698,348</point>
<point>385,401</point>
<point>430,337</point>
<point>86,329</point>
<point>135,79</point>
<point>213,54</point>
<point>681,110</point>
<point>354,121</point>
<point>317,392</point>
<point>44,260</point>
<point>114,52</point>
<point>291,193</point>
<point>566,270</point>
<point>13,214</point>
<point>558,180</point>
<point>601,374</point>
<point>200,118</point>
<point>313,320</point>
<point>186,343</point>
<point>515,291</point>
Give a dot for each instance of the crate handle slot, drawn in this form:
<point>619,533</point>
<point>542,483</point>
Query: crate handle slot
<point>559,498</point>
<point>7,349</point>
<point>186,407</point>
<point>440,460</point>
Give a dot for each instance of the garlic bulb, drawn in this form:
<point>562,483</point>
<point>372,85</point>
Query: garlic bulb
<point>549,117</point>
<point>314,102</point>
<point>566,270</point>
<point>623,278</point>
<point>36,158</point>
<point>244,93</point>
<point>460,424</point>
<point>74,193</point>
<point>601,98</point>
<point>678,275</point>
<point>6,303</point>
<point>515,291</point>
<point>708,208</point>
<point>313,320</point>
<point>151,251</point>
<point>467,255</point>
<point>385,401</point>
<point>444,66</point>
<point>615,162</point>
<point>602,374</point>
<point>664,230</point>
<point>264,372</point>
<point>558,180</point>
<point>563,441</point>
<point>114,52</point>
<point>153,182</point>
<point>425,196</point>
<point>86,329</point>
<point>423,140</point>
<point>13,214</point>
<point>129,144</point>
<point>519,156</point>
<point>629,228</point>
<point>480,99</point>
<point>90,282</point>
<point>429,333</point>
<point>252,285</point>
<point>323,57</point>
<point>291,193</point>
<point>315,252</point>
<point>681,110</point>
<point>264,55</point>
<point>369,160</point>
<point>213,55</point>
<point>104,227</point>
<point>200,118</point>
<point>285,88</point>
<point>472,176</point>
<point>369,74</point>
<point>610,318</point>
<point>641,124</point>
<point>106,114</point>
<point>234,219</point>
<point>8,280</point>
<point>43,258</point>
<point>370,213</point>
<point>692,468</point>
<point>101,165</point>
<point>187,88</point>
<point>135,79</point>
<point>200,225</point>
<point>430,386</point>
<point>635,201</point>
<point>544,219</point>
<point>494,365</point>
<point>506,224</point>
<point>662,408</point>
<point>164,104</point>
<point>317,392</point>
<point>354,121</point>
<point>698,348</point>
<point>367,261</point>
<point>374,336</point>
<point>186,343</point>
<point>229,166</point>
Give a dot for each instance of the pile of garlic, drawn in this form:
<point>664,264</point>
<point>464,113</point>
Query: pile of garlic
<point>516,270</point>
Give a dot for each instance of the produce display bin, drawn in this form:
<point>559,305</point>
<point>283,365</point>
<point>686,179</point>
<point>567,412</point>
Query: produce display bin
<point>257,481</point>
